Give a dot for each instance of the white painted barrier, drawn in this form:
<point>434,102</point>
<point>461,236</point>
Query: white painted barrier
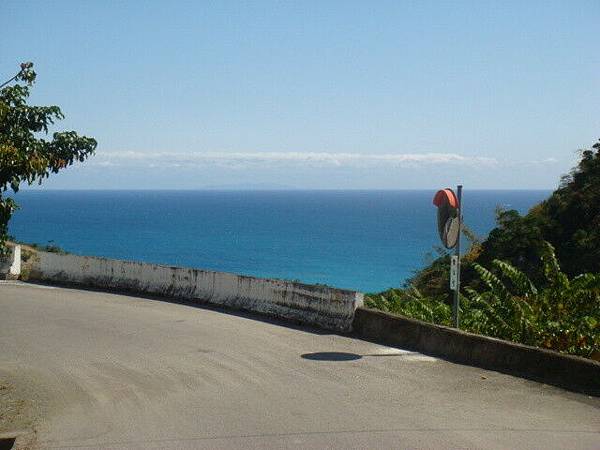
<point>10,266</point>
<point>323,306</point>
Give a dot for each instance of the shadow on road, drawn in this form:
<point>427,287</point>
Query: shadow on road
<point>331,356</point>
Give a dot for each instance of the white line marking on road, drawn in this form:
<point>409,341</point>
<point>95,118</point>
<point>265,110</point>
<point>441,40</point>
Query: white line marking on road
<point>405,354</point>
<point>392,351</point>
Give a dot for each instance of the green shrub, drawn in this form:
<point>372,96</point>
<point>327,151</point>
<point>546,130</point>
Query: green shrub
<point>51,248</point>
<point>562,314</point>
<point>411,303</point>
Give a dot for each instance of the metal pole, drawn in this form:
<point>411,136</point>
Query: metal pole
<point>456,303</point>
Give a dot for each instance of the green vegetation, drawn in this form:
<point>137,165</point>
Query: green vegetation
<point>513,285</point>
<point>51,248</point>
<point>569,219</point>
<point>562,314</point>
<point>24,156</point>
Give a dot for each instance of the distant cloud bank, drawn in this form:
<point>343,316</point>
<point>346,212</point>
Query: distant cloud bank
<point>285,159</point>
<point>305,170</point>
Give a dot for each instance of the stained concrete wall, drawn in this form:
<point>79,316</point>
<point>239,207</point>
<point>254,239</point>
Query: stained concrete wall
<point>10,266</point>
<point>315,305</point>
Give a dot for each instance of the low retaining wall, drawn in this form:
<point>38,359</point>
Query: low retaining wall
<point>569,372</point>
<point>315,305</point>
<point>10,265</point>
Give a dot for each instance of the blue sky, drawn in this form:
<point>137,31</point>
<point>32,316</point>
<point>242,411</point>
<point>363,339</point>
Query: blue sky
<point>315,94</point>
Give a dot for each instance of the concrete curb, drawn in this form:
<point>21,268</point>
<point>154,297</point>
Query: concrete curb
<point>321,306</point>
<point>566,371</point>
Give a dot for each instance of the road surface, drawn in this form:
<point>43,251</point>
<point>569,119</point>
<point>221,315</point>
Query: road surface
<point>100,370</point>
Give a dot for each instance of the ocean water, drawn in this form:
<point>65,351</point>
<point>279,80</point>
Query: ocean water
<point>365,240</point>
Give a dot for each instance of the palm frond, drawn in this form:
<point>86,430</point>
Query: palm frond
<point>518,279</point>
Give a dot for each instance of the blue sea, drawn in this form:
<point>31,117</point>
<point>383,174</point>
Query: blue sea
<point>365,240</point>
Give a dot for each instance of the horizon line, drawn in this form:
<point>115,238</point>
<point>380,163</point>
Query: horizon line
<point>286,189</point>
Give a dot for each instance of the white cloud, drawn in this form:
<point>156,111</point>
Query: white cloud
<point>285,159</point>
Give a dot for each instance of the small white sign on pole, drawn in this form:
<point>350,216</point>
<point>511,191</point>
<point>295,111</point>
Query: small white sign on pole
<point>453,272</point>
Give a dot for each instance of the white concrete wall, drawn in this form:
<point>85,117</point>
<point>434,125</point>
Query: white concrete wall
<point>316,305</point>
<point>10,266</point>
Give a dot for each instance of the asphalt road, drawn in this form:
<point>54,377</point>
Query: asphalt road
<point>101,370</point>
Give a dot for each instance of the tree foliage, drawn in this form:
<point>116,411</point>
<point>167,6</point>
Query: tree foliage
<point>26,154</point>
<point>569,219</point>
